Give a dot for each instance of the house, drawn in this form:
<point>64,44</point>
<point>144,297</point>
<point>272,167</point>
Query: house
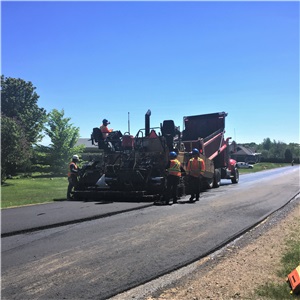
<point>90,152</point>
<point>87,144</point>
<point>244,154</point>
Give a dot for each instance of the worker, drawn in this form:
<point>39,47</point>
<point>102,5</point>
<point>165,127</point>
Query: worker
<point>195,170</point>
<point>174,171</point>
<point>72,175</point>
<point>104,129</point>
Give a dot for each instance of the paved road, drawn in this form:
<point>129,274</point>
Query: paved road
<point>36,217</point>
<point>102,257</point>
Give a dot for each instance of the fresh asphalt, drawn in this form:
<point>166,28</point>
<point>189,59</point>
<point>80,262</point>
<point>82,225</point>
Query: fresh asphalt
<point>61,212</point>
<point>104,257</point>
<point>42,216</point>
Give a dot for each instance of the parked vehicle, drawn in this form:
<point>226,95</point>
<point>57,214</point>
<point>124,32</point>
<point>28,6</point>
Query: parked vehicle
<point>243,165</point>
<point>134,166</point>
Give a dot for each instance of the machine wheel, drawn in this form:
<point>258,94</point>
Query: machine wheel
<point>236,177</point>
<point>217,178</point>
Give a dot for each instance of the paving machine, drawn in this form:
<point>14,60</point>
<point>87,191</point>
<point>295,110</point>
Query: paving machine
<point>134,167</point>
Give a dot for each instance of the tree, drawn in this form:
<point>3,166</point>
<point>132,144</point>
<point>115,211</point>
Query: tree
<point>15,150</point>
<point>265,154</point>
<point>267,144</point>
<point>19,101</point>
<point>288,155</point>
<point>63,137</point>
<point>277,149</point>
<point>295,149</point>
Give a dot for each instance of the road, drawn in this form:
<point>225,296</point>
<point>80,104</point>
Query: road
<point>102,257</point>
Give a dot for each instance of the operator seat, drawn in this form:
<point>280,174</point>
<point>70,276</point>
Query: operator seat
<point>97,136</point>
<point>169,131</point>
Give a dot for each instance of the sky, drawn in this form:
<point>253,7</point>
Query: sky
<point>115,60</point>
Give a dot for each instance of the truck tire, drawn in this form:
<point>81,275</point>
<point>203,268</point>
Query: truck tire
<point>236,176</point>
<point>217,178</point>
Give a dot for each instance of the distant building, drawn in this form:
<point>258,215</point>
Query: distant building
<point>244,154</point>
<point>91,152</point>
<point>87,144</point>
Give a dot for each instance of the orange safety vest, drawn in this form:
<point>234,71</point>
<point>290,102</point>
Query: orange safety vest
<point>75,166</point>
<point>196,166</point>
<point>174,168</point>
<point>105,131</point>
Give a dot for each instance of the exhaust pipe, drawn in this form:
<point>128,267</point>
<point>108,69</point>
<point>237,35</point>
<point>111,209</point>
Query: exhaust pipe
<point>147,122</point>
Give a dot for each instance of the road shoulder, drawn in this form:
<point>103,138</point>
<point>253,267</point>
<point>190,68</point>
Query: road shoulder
<point>238,269</point>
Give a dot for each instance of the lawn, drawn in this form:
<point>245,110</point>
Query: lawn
<point>26,191</point>
<point>262,167</point>
<point>289,261</point>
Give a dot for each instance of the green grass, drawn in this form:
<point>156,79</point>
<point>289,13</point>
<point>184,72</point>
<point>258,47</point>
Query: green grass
<point>262,167</point>
<point>274,291</point>
<point>292,256</point>
<point>289,261</point>
<point>26,191</point>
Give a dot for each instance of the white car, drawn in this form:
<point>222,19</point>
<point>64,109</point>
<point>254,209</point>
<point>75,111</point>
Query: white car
<point>243,165</point>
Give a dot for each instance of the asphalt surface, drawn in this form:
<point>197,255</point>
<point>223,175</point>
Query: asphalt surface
<point>42,216</point>
<point>106,256</point>
<point>37,217</point>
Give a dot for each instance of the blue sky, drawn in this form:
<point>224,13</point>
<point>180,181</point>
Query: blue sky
<point>102,59</point>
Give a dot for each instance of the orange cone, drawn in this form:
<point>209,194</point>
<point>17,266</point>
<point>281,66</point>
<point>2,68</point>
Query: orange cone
<point>294,279</point>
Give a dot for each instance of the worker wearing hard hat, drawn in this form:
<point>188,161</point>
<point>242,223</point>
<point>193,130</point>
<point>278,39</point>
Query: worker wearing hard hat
<point>174,171</point>
<point>195,170</point>
<point>72,175</point>
<point>104,129</point>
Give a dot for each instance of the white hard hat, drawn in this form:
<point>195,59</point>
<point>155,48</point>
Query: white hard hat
<point>75,157</point>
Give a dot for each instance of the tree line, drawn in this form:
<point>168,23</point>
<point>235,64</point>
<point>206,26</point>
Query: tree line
<point>24,124</point>
<point>276,151</point>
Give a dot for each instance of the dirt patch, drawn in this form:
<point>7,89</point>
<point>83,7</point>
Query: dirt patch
<point>238,269</point>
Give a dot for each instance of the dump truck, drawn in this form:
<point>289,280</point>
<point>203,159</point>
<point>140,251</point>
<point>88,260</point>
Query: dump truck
<point>207,133</point>
<point>133,168</point>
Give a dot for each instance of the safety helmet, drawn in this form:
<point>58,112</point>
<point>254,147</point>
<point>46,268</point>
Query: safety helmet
<point>105,121</point>
<point>75,157</point>
<point>173,154</point>
<point>195,151</point>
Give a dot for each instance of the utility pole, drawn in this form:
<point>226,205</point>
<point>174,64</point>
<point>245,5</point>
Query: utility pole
<point>129,122</point>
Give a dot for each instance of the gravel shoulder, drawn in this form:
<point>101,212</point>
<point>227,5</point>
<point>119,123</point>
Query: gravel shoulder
<point>235,271</point>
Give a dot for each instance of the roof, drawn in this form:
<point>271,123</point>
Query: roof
<point>243,150</point>
<point>86,142</point>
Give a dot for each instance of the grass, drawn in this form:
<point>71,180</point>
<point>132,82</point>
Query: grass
<point>289,261</point>
<point>262,167</point>
<point>26,191</point>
